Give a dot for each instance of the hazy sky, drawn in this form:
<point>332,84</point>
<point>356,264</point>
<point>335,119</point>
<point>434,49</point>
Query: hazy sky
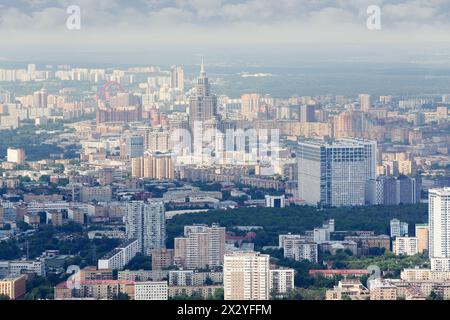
<point>134,28</point>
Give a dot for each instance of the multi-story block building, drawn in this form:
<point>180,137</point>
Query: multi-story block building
<point>13,287</point>
<point>281,281</point>
<point>201,247</point>
<point>146,222</point>
<point>156,166</point>
<point>246,276</point>
<point>118,258</point>
<point>150,290</point>
<point>422,236</point>
<point>406,246</point>
<point>335,173</point>
<point>439,228</point>
<point>162,258</point>
<point>398,228</point>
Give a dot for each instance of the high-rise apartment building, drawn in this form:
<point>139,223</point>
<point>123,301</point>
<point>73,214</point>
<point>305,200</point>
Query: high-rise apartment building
<point>307,113</point>
<point>146,222</point>
<point>439,228</point>
<point>246,276</point>
<point>177,78</point>
<point>132,146</point>
<point>156,166</point>
<point>15,155</point>
<point>335,173</point>
<point>201,247</point>
<point>398,228</point>
<point>365,102</point>
<point>422,235</point>
<point>162,258</point>
<point>250,106</point>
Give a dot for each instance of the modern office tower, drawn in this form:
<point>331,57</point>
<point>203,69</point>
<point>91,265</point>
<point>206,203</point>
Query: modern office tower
<point>365,102</point>
<point>146,222</point>
<point>132,146</point>
<point>177,78</point>
<point>335,173</point>
<point>156,166</point>
<point>202,105</point>
<point>307,113</point>
<point>439,228</point>
<point>250,106</point>
<point>408,190</point>
<point>15,155</point>
<point>406,246</point>
<point>202,247</point>
<point>281,281</point>
<point>422,235</point>
<point>398,228</point>
<point>393,191</point>
<point>246,276</point>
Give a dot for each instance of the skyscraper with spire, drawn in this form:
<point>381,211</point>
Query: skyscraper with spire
<point>203,104</point>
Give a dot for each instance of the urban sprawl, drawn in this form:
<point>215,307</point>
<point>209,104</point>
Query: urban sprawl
<point>142,184</point>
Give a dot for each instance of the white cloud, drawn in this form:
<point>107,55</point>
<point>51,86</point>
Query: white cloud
<point>225,21</point>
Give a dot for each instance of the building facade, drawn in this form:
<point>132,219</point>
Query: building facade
<point>246,276</point>
<point>146,222</point>
<point>335,173</point>
<point>439,228</point>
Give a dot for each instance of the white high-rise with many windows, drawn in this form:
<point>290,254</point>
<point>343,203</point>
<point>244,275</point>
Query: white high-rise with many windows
<point>146,222</point>
<point>246,276</point>
<point>439,228</point>
<point>335,173</point>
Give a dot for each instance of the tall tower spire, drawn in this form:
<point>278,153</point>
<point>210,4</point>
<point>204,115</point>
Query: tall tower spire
<point>202,68</point>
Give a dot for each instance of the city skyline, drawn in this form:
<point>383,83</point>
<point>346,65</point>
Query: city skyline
<point>244,151</point>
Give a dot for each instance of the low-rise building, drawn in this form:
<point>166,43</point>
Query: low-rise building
<point>143,275</point>
<point>151,290</point>
<point>206,292</point>
<point>19,267</point>
<point>13,287</point>
<point>194,278</point>
<point>348,288</point>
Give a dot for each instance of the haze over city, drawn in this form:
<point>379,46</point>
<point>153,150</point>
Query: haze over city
<point>250,154</point>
